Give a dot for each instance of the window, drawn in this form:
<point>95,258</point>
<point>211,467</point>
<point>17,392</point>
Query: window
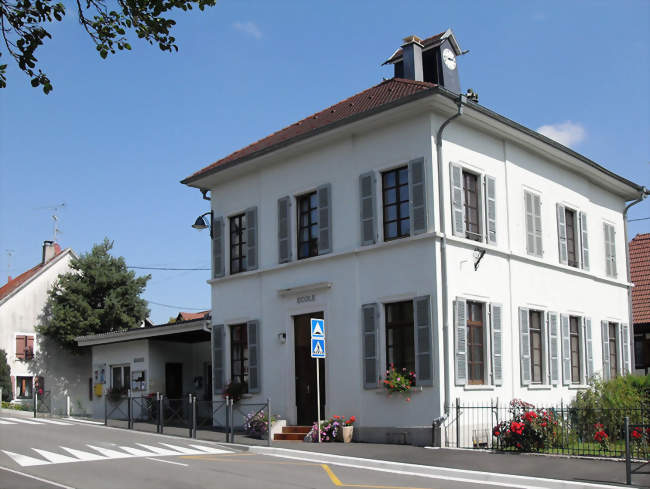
<point>533,208</point>
<point>472,207</point>
<point>610,250</point>
<point>536,346</point>
<point>572,250</point>
<point>120,377</point>
<point>238,243</point>
<point>642,350</point>
<point>574,337</point>
<point>400,347</point>
<point>395,190</point>
<point>613,351</point>
<point>24,387</point>
<point>475,343</point>
<point>239,355</point>
<point>24,347</point>
<point>307,225</point>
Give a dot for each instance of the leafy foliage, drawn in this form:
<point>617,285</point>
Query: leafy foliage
<point>5,377</point>
<point>23,25</point>
<point>99,295</point>
<point>529,429</point>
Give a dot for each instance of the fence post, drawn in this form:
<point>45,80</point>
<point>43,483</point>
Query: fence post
<point>157,401</point>
<point>194,420</point>
<point>227,419</point>
<point>628,462</point>
<point>232,421</point>
<point>270,421</point>
<point>128,409</point>
<point>161,414</point>
<point>67,405</point>
<point>458,422</point>
<point>105,408</point>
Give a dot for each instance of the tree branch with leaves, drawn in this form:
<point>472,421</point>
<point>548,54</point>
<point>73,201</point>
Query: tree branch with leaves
<point>24,23</point>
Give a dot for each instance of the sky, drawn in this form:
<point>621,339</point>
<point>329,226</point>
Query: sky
<point>115,136</point>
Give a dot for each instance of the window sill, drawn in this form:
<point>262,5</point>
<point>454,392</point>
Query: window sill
<point>479,387</point>
<point>578,386</point>
<point>540,387</point>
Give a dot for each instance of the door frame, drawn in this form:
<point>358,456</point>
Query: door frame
<point>316,307</point>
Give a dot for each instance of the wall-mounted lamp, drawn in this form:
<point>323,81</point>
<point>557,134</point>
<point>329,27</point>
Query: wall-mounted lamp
<point>200,222</point>
<point>282,336</point>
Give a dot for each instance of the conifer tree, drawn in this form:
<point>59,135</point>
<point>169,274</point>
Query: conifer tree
<point>5,377</point>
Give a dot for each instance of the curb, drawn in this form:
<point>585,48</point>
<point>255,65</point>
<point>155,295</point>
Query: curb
<point>459,475</point>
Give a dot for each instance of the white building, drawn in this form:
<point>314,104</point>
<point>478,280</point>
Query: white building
<point>429,232</point>
<point>31,357</point>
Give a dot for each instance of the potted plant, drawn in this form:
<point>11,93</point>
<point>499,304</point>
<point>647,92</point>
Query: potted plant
<point>346,428</point>
<point>399,381</point>
<point>235,390</point>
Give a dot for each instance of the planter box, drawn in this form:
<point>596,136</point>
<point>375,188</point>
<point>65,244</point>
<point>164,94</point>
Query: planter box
<point>276,427</point>
<point>345,434</point>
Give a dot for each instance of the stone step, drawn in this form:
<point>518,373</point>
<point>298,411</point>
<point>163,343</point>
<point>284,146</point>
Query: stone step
<point>296,429</point>
<point>289,436</point>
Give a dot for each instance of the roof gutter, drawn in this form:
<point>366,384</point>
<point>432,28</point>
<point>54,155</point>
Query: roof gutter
<point>460,100</point>
<point>644,193</point>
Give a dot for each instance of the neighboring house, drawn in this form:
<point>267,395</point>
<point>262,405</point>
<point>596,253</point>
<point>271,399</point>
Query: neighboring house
<point>188,316</point>
<point>172,359</point>
<point>430,233</point>
<point>36,362</point>
<point>640,276</point>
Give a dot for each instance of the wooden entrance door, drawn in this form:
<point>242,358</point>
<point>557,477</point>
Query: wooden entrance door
<point>174,380</point>
<point>306,371</point>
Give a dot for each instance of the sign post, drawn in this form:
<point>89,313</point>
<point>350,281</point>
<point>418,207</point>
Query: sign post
<point>318,350</point>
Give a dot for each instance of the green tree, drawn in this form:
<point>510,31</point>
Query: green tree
<point>99,295</point>
<point>5,377</point>
<point>24,24</point>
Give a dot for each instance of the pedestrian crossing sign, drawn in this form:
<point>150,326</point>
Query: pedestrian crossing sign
<point>317,328</point>
<point>318,348</point>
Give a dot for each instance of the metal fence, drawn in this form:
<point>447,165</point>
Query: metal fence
<point>160,412</point>
<point>560,429</point>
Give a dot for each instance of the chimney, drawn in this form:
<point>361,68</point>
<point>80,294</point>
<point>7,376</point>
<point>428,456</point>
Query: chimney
<point>49,250</point>
<point>9,279</point>
<point>412,58</point>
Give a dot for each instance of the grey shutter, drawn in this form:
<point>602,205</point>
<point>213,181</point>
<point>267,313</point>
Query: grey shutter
<point>619,349</point>
<point>537,213</point>
<point>423,342</point>
<point>496,316</point>
<point>251,238</point>
<point>530,223</point>
<point>367,192</point>
<point>590,349</point>
<point>254,370</point>
<point>626,348</point>
<point>584,241</point>
<point>524,345</point>
<point>324,219</point>
<point>417,197</point>
<point>491,209</point>
<point>284,230</point>
<point>218,255</point>
<point>566,349</point>
<point>604,337</point>
<point>457,207</point>
<point>460,327</point>
<point>610,248</point>
<point>218,339</point>
<point>561,234</point>
<point>554,333</point>
<point>370,313</point>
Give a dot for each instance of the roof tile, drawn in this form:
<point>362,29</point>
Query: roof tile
<point>640,275</point>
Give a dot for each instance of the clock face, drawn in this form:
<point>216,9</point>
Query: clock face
<point>449,58</point>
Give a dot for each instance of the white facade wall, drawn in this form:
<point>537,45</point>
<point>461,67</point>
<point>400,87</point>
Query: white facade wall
<point>64,374</point>
<point>410,267</point>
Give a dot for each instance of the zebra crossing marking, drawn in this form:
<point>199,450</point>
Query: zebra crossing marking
<point>36,421</point>
<point>125,451</point>
<point>20,420</point>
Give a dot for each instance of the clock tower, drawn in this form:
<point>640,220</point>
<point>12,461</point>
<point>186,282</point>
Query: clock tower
<point>431,60</point>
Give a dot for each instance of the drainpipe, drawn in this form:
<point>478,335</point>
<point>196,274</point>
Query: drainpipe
<point>644,193</point>
<point>443,250</point>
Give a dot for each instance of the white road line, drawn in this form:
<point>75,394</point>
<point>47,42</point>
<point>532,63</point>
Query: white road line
<point>158,450</point>
<point>137,452</point>
<point>167,461</point>
<point>108,453</point>
<point>55,484</point>
<point>6,422</point>
<point>20,420</point>
<point>56,458</point>
<point>51,421</point>
<point>210,449</point>
<point>182,450</point>
<point>85,456</point>
<point>85,421</point>
<point>24,460</point>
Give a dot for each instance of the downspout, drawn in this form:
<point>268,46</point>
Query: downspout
<point>644,193</point>
<point>443,251</point>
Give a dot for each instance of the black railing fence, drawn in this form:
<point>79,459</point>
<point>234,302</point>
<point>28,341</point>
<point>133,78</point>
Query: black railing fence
<point>189,413</point>
<point>559,429</point>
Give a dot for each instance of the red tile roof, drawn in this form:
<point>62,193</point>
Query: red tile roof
<point>640,274</point>
<point>188,316</point>
<point>380,95</point>
<point>14,283</point>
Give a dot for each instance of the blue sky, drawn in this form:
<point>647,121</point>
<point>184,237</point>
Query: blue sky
<point>115,136</point>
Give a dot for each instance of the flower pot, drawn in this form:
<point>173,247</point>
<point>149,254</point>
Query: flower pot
<point>345,434</point>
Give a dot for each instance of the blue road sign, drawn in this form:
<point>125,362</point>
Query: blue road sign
<point>317,328</point>
<point>318,348</point>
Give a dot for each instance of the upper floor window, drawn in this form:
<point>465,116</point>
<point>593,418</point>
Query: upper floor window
<point>239,355</point>
<point>472,206</point>
<point>533,211</point>
<point>24,347</point>
<point>238,243</point>
<point>610,249</point>
<point>473,202</point>
<point>572,237</point>
<point>307,225</point>
<point>395,191</point>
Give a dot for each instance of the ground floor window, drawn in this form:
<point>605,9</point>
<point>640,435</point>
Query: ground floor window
<point>120,377</point>
<point>475,343</point>
<point>24,387</point>
<point>536,326</point>
<point>239,355</point>
<point>400,349</point>
<point>642,350</point>
<point>574,336</point>
<point>613,350</point>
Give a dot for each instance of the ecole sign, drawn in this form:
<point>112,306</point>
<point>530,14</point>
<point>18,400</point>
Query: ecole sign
<point>301,299</point>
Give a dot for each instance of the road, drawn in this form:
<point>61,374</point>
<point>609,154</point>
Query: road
<point>56,453</point>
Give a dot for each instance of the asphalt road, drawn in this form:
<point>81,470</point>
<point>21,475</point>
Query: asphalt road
<point>43,454</point>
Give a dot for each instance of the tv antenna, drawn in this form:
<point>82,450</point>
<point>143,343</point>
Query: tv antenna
<point>55,217</point>
<point>10,253</point>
